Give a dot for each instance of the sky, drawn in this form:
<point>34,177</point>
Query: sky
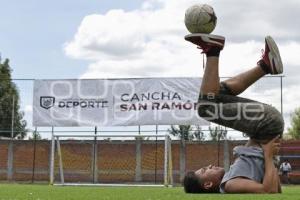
<point>60,39</point>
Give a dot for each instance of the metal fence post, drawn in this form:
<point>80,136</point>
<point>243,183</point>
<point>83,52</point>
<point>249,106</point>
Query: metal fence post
<point>51,181</point>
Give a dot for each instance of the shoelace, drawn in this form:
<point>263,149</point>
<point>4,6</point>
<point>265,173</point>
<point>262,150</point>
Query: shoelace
<point>203,50</point>
<point>203,57</point>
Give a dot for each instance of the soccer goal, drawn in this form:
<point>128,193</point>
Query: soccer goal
<point>111,160</point>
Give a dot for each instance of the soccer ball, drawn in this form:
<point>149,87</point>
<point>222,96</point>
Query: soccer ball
<point>200,18</point>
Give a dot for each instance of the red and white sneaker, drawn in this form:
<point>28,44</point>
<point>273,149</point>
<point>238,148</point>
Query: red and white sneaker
<point>206,41</point>
<point>271,56</point>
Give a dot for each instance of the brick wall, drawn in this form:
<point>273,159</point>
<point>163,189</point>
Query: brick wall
<point>3,160</point>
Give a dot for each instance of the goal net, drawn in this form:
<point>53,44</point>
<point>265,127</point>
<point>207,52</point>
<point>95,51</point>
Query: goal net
<point>111,160</point>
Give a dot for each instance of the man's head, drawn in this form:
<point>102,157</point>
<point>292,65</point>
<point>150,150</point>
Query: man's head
<point>205,180</point>
<point>285,161</point>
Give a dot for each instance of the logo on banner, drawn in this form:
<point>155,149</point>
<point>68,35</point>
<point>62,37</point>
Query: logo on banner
<point>47,102</point>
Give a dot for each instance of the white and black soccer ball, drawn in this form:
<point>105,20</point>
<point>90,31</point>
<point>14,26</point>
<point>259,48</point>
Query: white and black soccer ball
<point>200,18</point>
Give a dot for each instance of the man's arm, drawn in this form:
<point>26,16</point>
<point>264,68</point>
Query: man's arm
<point>270,182</point>
<point>243,185</point>
<point>281,166</point>
<point>279,184</point>
<point>289,166</point>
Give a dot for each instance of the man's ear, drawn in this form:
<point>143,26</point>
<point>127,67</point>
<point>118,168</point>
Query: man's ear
<point>207,185</point>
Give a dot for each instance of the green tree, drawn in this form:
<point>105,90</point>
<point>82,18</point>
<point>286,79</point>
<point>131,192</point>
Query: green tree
<point>187,132</point>
<point>217,133</point>
<point>9,105</point>
<point>35,136</point>
<point>294,130</point>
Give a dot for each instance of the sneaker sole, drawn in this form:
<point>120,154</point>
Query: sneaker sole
<point>206,38</point>
<point>274,55</point>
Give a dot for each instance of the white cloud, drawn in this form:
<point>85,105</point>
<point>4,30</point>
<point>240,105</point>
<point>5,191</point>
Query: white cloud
<point>149,42</point>
<point>241,20</point>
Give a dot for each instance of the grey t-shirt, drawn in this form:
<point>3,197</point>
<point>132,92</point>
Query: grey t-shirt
<point>249,164</point>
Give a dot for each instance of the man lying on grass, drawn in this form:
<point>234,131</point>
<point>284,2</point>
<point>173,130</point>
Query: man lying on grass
<point>253,170</point>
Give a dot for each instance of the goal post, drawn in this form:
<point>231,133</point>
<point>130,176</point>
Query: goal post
<point>116,160</point>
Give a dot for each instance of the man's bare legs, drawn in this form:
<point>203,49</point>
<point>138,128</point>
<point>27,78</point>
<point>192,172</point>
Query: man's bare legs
<point>226,108</point>
<point>269,64</point>
<point>211,45</point>
<point>241,82</point>
<point>211,79</point>
<point>236,84</point>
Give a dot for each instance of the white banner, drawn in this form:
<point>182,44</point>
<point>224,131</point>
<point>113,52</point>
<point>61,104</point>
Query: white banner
<point>116,102</point>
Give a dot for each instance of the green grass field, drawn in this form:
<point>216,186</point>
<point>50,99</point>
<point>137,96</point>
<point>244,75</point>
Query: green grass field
<point>41,192</point>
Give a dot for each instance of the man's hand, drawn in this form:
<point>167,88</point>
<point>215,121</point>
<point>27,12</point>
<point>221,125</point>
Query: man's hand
<point>271,181</point>
<point>272,147</point>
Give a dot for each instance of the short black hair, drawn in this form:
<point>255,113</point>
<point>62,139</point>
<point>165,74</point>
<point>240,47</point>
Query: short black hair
<point>192,183</point>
